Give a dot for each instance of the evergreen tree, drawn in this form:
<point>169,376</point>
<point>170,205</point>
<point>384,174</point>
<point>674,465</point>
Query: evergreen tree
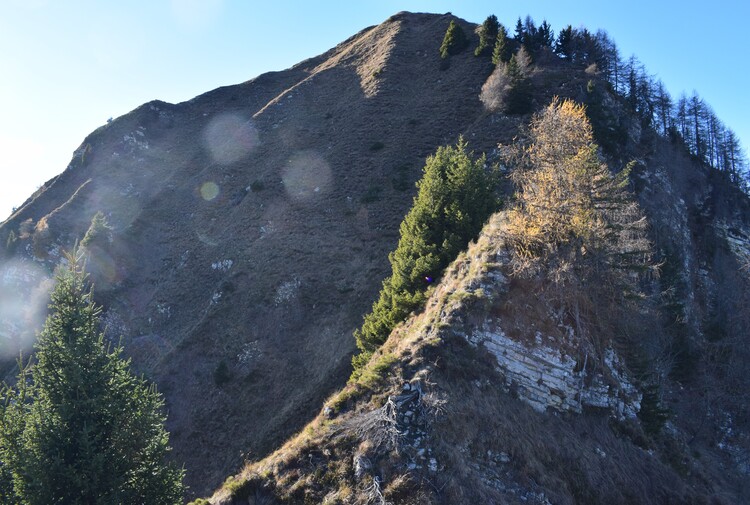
<point>455,197</point>
<point>501,52</point>
<point>518,99</point>
<point>520,32</point>
<point>564,45</point>
<point>79,428</point>
<point>545,35</point>
<point>454,41</point>
<point>508,88</point>
<point>487,34</point>
<point>99,232</point>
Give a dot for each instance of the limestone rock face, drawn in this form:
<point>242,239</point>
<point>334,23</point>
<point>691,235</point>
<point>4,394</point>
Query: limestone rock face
<point>250,232</point>
<point>547,378</point>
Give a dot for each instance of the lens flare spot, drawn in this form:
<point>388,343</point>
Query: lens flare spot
<point>149,349</point>
<point>229,138</point>
<point>24,296</point>
<point>209,190</point>
<point>306,176</point>
<point>102,266</point>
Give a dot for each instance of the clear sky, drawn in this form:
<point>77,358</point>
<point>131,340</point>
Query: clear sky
<point>68,65</point>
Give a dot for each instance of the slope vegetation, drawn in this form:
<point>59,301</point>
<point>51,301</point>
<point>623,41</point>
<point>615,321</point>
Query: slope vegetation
<point>528,377</point>
<point>250,231</point>
<point>246,232</point>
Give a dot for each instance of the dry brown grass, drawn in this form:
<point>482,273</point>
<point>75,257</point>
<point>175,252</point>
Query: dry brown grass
<point>381,87</point>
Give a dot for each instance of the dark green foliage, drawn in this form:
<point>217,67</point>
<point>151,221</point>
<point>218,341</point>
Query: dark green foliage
<point>456,195</point>
<point>518,99</point>
<point>520,33</point>
<point>564,45</point>
<point>99,232</point>
<point>501,53</point>
<point>545,36</point>
<point>454,41</point>
<point>509,89</point>
<point>674,289</point>
<point>222,374</point>
<point>487,35</point>
<point>79,428</point>
<point>532,37</point>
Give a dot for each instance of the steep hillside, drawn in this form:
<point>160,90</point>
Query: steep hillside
<point>536,371</point>
<point>250,232</point>
<point>480,400</point>
<point>251,227</point>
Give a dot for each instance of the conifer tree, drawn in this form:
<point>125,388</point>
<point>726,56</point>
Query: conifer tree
<point>577,228</point>
<point>509,89</point>
<point>454,41</point>
<point>79,428</point>
<point>545,35</point>
<point>518,100</point>
<point>487,34</point>
<point>569,199</point>
<point>455,197</point>
<point>564,45</point>
<point>501,52</point>
<point>520,32</point>
<point>99,232</point>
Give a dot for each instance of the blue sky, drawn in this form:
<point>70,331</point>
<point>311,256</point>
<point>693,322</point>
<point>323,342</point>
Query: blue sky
<point>69,65</point>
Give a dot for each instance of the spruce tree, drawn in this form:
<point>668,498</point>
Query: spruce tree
<point>99,232</point>
<point>545,35</point>
<point>454,41</point>
<point>501,52</point>
<point>455,197</point>
<point>79,427</point>
<point>487,34</point>
<point>518,99</point>
<point>564,46</point>
<point>520,32</point>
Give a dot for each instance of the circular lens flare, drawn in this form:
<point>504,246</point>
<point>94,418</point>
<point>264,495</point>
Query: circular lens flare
<point>306,176</point>
<point>209,190</point>
<point>229,138</point>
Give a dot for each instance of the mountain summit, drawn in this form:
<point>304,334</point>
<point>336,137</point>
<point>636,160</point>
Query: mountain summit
<point>236,241</point>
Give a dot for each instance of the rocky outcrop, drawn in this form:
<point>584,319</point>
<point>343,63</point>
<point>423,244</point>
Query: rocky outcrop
<point>545,371</point>
<point>546,378</point>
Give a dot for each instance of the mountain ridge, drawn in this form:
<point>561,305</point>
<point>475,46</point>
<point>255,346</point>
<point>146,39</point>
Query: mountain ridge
<point>156,280</point>
<point>252,226</point>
